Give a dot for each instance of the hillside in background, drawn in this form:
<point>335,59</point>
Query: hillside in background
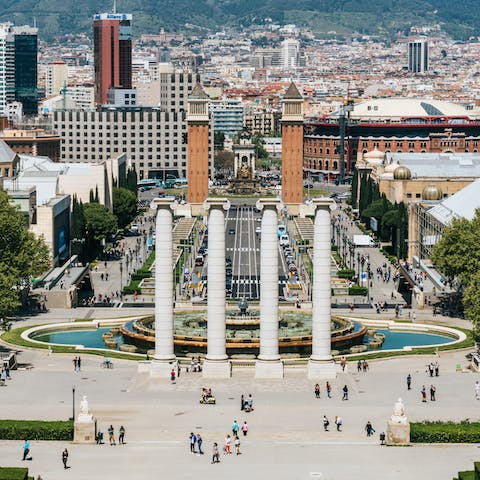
<point>384,17</point>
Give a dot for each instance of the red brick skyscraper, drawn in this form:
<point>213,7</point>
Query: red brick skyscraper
<point>112,50</point>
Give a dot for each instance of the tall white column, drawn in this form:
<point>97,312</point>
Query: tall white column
<point>216,363</point>
<point>268,364</point>
<point>321,363</point>
<point>164,347</point>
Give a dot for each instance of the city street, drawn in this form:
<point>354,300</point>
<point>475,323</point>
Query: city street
<point>242,230</point>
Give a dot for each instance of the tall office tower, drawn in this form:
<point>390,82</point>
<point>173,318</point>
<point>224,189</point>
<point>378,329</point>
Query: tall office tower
<point>292,146</point>
<point>112,49</point>
<point>290,53</point>
<point>7,67</point>
<point>25,60</point>
<point>418,56</point>
<point>56,77</point>
<point>175,87</point>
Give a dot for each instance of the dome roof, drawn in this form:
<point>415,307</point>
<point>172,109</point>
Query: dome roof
<point>402,173</point>
<point>391,167</point>
<point>432,192</point>
<point>374,156</point>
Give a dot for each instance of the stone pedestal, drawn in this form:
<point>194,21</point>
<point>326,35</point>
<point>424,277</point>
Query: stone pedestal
<point>268,369</point>
<point>321,370</point>
<point>398,433</point>
<point>85,429</point>
<point>216,369</point>
<point>161,369</point>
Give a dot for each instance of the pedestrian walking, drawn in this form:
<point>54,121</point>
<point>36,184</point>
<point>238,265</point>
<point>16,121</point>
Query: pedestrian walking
<point>111,435</point>
<point>193,441</point>
<point>338,423</point>
<point>234,428</point>
<point>365,366</point>
<point>215,454</point>
<point>432,393</point>
<point>121,436</point>
<point>317,390</point>
<point>172,375</point>
<point>65,458</point>
<point>79,363</point>
<point>359,366</point>
<point>326,423</point>
<point>409,382</point>
<point>424,394</point>
<point>345,393</point>
<point>74,364</point>
<point>226,447</point>
<point>237,445</point>
<point>477,390</point>
<point>343,363</point>
<point>242,403</point>
<point>328,389</point>
<point>199,443</point>
<point>245,428</point>
<point>26,450</point>
<point>437,369</point>
<point>369,429</point>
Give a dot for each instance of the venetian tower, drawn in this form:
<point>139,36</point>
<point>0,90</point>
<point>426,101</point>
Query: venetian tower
<point>198,123</point>
<point>292,148</point>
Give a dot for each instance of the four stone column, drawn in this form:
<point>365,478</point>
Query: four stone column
<point>268,364</point>
<point>216,363</point>
<point>164,357</point>
<point>321,363</point>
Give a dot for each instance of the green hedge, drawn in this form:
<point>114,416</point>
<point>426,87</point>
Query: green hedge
<point>13,473</point>
<point>35,430</point>
<point>346,273</point>
<point>357,290</point>
<point>445,432</point>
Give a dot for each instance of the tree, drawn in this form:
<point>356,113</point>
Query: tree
<point>457,254</point>
<point>100,222</point>
<point>22,255</point>
<point>471,300</point>
<point>124,206</point>
<point>223,160</point>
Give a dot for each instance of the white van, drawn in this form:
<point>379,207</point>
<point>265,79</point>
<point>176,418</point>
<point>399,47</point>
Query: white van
<point>284,241</point>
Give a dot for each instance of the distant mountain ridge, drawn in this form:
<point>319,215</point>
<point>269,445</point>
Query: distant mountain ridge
<point>383,17</point>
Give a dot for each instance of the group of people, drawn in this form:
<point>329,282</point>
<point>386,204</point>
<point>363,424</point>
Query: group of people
<point>77,363</point>
<point>246,405</point>
<point>432,393</point>
<point>5,375</point>
<point>328,390</point>
<point>338,423</point>
<point>195,365</point>
<point>433,369</point>
<point>362,365</point>
<point>121,435</point>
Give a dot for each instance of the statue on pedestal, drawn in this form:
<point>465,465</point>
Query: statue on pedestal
<point>399,412</point>
<point>84,415</point>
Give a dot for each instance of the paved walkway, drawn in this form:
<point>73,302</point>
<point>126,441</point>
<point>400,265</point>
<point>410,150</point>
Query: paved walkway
<point>286,438</point>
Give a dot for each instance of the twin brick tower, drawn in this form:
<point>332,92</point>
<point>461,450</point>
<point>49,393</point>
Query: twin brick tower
<point>198,148</point>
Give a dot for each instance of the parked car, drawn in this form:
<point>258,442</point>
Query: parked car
<point>199,261</point>
<point>231,231</point>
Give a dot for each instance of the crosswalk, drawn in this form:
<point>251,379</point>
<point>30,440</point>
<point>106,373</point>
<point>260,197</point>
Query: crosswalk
<point>253,281</point>
<point>243,249</point>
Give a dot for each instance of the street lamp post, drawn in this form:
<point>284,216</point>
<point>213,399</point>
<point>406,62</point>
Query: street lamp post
<point>73,403</point>
<point>121,272</point>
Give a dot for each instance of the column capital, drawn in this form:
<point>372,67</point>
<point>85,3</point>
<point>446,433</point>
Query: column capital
<point>164,203</point>
<point>220,203</point>
<point>269,204</point>
<point>323,203</point>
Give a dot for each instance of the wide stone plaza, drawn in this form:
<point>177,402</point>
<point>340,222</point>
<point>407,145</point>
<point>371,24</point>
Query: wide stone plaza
<point>285,440</point>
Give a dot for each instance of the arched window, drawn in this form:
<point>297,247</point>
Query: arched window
<point>335,165</point>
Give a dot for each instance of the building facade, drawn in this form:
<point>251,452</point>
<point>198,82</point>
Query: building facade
<point>56,77</point>
<point>7,67</point>
<point>418,56</point>
<point>25,58</point>
<point>227,115</point>
<point>112,50</point>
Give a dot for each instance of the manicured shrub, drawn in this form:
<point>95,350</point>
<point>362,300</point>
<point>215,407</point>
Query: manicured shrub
<point>13,473</point>
<point>445,432</point>
<point>346,273</point>
<point>35,430</point>
<point>357,290</point>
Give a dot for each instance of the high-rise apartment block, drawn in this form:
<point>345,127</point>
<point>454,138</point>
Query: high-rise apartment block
<point>56,77</point>
<point>290,53</point>
<point>112,50</point>
<point>418,56</point>
<point>7,67</point>
<point>18,67</point>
